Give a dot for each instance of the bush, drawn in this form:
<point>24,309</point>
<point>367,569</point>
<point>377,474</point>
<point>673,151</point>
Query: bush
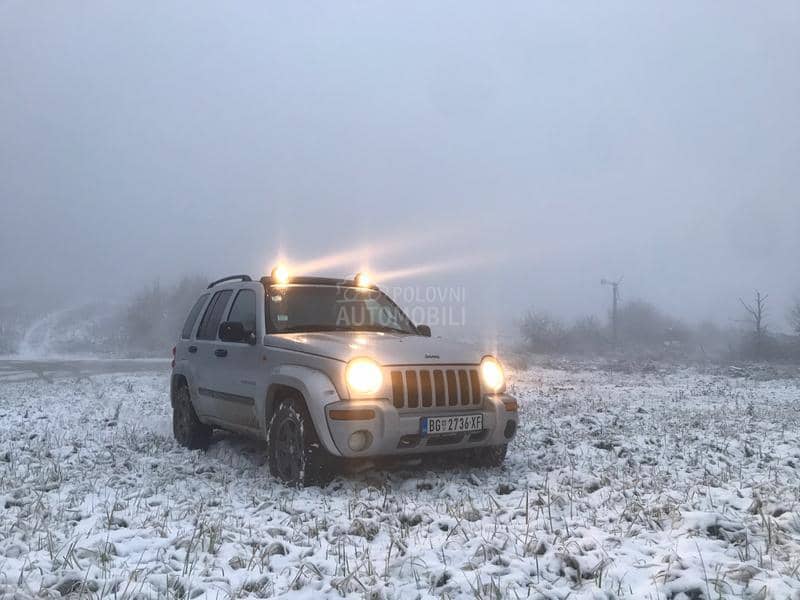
<point>588,336</point>
<point>640,323</point>
<point>543,333</point>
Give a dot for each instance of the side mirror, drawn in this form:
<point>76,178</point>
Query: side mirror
<point>424,330</point>
<point>232,331</point>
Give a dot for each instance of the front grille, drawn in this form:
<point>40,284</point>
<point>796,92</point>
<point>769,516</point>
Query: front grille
<point>415,388</point>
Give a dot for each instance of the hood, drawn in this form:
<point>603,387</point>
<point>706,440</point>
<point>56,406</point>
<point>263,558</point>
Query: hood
<point>386,348</point>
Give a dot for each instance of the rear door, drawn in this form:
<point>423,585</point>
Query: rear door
<point>210,357</point>
<point>183,348</point>
<point>237,400</point>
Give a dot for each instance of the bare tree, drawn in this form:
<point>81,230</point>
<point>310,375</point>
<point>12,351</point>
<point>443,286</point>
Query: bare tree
<point>757,312</point>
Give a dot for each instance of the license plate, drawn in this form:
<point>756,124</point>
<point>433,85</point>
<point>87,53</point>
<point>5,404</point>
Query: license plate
<point>454,424</point>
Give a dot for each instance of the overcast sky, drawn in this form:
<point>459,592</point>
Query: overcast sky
<point>526,150</point>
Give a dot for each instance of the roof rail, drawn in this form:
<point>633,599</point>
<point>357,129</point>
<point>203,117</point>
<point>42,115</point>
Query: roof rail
<point>231,278</point>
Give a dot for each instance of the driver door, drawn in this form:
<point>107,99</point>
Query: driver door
<point>242,362</point>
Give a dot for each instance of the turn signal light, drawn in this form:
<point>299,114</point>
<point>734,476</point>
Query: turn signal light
<point>360,414</point>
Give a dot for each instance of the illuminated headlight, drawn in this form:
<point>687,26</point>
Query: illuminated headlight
<point>363,376</point>
<point>492,374</point>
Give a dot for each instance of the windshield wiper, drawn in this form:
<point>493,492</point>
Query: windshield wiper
<point>309,328</point>
<point>385,328</point>
<point>315,328</point>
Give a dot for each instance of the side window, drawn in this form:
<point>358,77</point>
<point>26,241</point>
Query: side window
<point>244,310</point>
<point>188,326</point>
<point>210,322</point>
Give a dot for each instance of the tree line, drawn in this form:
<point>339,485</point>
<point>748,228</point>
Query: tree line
<point>644,330</point>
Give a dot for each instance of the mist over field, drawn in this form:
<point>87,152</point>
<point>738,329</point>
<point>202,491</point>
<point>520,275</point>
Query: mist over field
<point>515,155</point>
<point>588,214</point>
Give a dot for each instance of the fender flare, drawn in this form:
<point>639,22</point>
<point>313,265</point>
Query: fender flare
<point>317,390</point>
<point>175,377</point>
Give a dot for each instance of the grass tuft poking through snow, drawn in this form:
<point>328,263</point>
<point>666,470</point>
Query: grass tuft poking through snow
<point>661,485</point>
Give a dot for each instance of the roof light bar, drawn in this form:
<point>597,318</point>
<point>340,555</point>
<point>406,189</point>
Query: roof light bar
<point>362,280</point>
<point>280,275</point>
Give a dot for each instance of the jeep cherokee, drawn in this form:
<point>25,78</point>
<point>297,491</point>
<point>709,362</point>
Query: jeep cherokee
<point>322,368</point>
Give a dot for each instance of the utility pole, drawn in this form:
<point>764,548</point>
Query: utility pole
<point>614,303</point>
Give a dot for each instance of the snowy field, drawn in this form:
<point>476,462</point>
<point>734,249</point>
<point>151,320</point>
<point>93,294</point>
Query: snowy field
<point>672,485</point>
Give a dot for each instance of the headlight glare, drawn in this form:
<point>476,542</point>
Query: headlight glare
<point>363,376</point>
<point>492,374</point>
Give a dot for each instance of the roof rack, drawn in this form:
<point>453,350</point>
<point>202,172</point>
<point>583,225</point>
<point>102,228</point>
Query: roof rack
<point>230,278</point>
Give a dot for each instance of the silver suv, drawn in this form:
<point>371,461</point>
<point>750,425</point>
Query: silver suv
<point>327,369</point>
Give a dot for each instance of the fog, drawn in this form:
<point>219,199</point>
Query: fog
<point>519,152</point>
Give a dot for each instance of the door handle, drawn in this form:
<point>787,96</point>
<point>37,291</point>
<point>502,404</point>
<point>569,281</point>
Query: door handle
<point>192,349</point>
<point>221,352</point>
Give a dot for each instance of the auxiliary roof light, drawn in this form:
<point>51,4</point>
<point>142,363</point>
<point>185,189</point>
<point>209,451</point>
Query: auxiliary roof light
<point>280,275</point>
<point>362,280</point>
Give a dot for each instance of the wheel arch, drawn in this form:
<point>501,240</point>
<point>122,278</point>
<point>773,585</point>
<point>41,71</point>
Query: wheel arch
<point>176,382</point>
<point>313,388</point>
<point>277,393</point>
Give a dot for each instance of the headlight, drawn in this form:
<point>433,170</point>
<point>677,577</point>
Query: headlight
<point>492,374</point>
<point>363,375</point>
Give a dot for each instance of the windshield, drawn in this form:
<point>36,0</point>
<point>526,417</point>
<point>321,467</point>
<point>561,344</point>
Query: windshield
<point>299,308</point>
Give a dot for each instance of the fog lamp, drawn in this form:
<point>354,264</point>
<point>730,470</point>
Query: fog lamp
<point>511,428</point>
<point>360,440</point>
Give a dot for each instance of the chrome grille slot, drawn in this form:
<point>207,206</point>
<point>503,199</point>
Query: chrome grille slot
<point>398,390</point>
<point>425,385</point>
<point>463,383</point>
<point>438,382</point>
<point>417,388</point>
<point>476,386</point>
<point>411,388</point>
<point>452,388</point>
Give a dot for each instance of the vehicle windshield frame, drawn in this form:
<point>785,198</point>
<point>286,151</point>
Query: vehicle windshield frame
<point>271,330</point>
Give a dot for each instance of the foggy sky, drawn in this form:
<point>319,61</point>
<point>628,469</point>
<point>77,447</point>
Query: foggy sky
<point>530,148</point>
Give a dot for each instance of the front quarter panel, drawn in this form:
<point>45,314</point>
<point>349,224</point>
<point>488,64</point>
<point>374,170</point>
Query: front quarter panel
<point>317,390</point>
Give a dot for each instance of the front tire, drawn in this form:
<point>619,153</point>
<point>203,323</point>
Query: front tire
<point>295,454</point>
<point>186,427</point>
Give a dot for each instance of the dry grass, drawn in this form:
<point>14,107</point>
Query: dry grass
<point>662,486</point>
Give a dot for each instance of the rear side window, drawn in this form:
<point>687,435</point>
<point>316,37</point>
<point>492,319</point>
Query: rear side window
<point>244,310</point>
<point>210,322</point>
<point>188,326</point>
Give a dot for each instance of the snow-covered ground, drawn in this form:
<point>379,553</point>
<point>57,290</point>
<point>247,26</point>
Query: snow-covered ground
<point>660,485</point>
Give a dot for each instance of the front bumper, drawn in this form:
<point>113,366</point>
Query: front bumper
<point>394,432</point>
